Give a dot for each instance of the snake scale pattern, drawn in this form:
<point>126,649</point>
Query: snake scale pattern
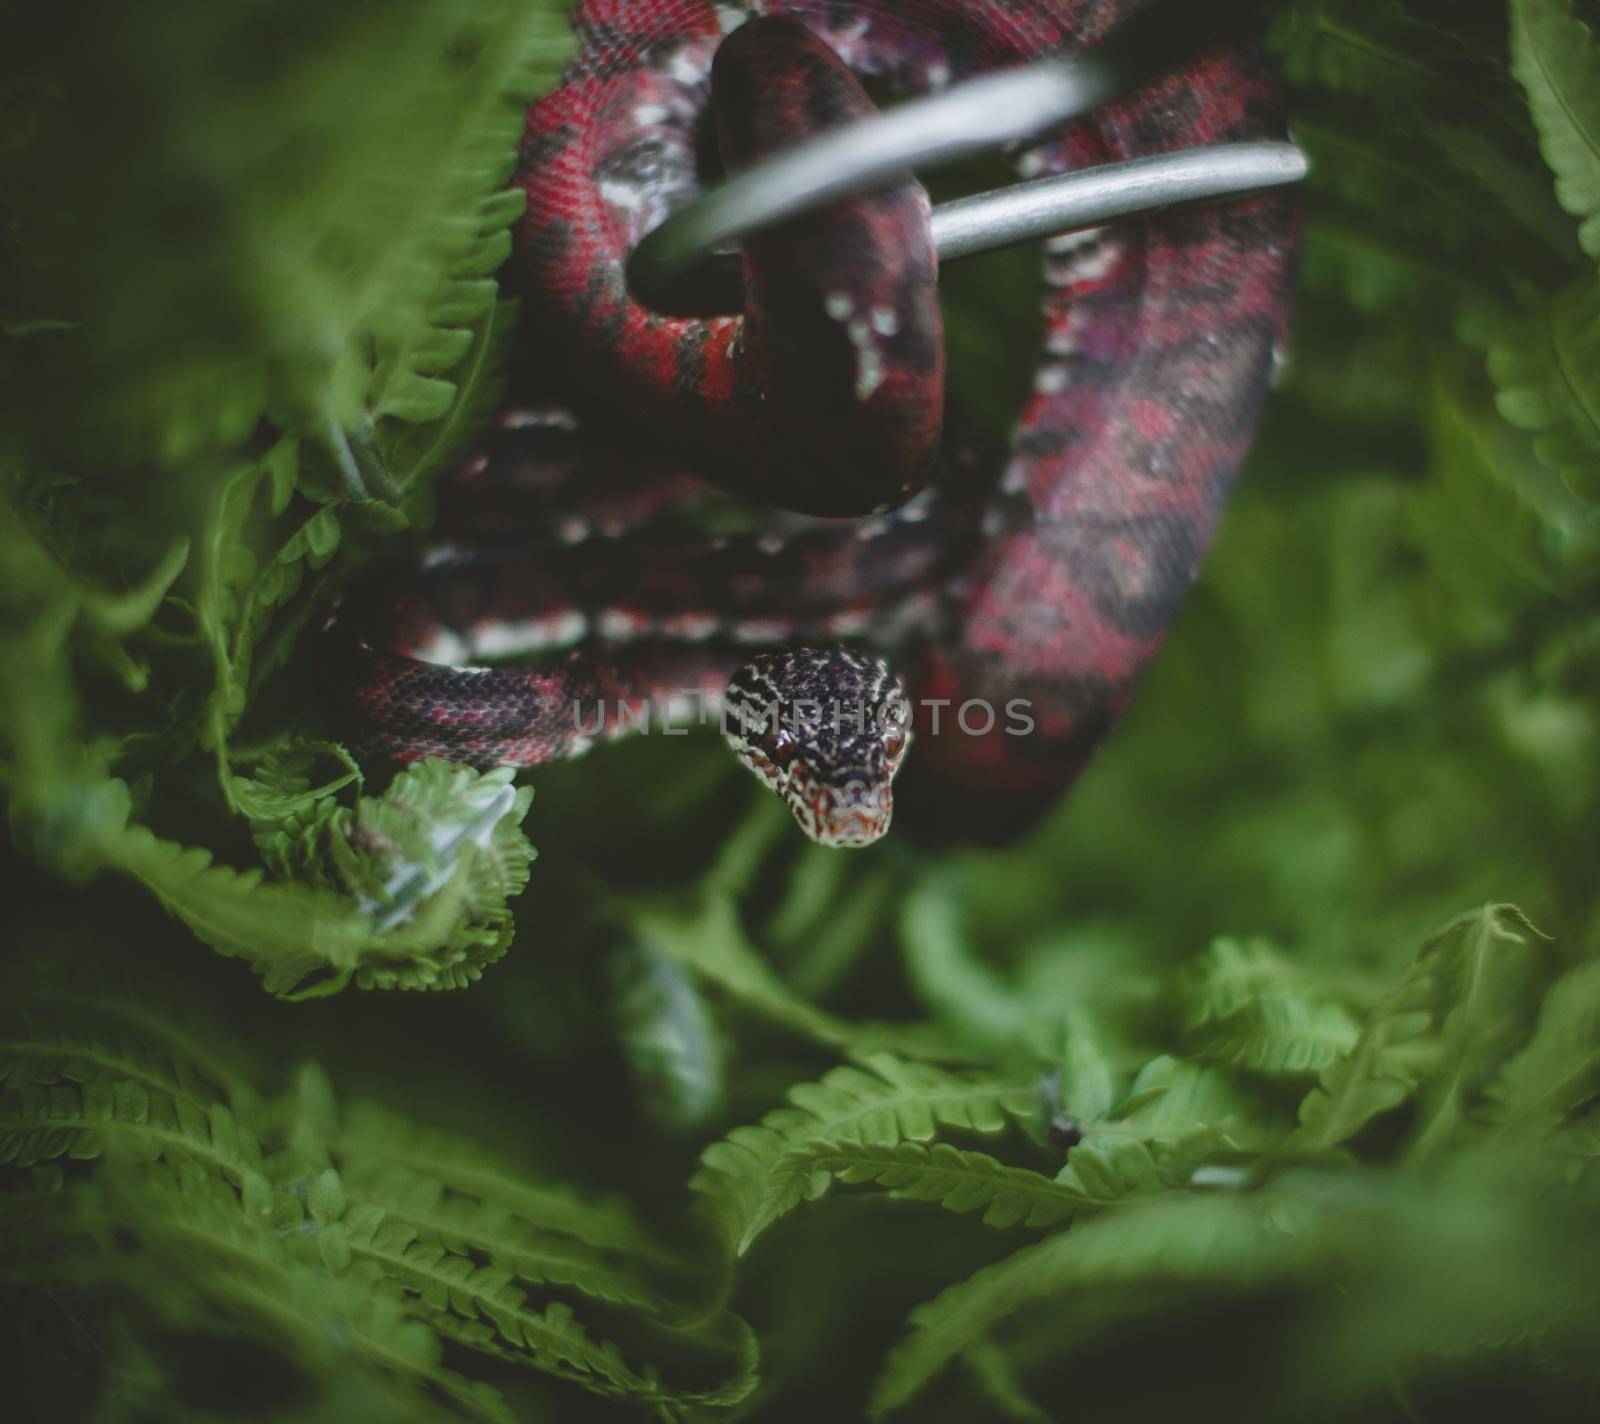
<point>1040,579</point>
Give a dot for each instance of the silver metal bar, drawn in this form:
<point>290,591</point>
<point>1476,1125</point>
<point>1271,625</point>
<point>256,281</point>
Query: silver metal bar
<point>713,284</point>
<point>1068,202</point>
<point>974,116</point>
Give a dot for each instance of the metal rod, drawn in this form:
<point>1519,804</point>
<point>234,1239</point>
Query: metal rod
<point>970,118</point>
<point>978,114</point>
<point>713,285</point>
<point>1068,202</point>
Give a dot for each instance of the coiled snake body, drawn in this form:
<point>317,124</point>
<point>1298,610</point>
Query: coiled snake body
<point>1039,582</point>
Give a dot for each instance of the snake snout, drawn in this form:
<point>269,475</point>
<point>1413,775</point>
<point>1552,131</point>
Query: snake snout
<point>860,815</point>
<point>854,814</point>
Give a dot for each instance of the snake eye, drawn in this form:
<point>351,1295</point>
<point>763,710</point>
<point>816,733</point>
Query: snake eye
<point>780,747</point>
<point>894,743</point>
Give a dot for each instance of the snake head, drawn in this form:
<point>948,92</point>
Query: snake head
<point>827,729</point>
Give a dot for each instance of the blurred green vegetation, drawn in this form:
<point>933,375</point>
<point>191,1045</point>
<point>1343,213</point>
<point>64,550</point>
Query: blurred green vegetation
<point>1258,1079</point>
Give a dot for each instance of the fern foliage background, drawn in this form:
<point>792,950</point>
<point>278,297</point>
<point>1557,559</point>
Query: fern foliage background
<point>1258,1081</point>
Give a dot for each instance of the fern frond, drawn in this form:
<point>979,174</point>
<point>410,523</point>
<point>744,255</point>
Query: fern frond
<point>51,1056</point>
<point>40,1122</point>
<point>709,940</point>
<point>1177,1116</point>
<point>305,547</point>
<point>287,804</point>
<point>300,939</point>
<point>467,1225</point>
<point>754,1176</point>
<point>243,1264</point>
<point>1376,50</point>
<point>1169,1241</point>
<point>447,1283</point>
<point>1496,525</point>
<point>1483,1017</point>
<point>948,976</point>
<point>670,1403</point>
<point>952,1177</point>
<point>672,1043</point>
<point>1357,1088</point>
<point>464,236</point>
<point>1378,269</point>
<point>480,1305</point>
<point>132,1027</point>
<point>992,1374</point>
<point>1456,988</point>
<point>427,870</point>
<point>1555,57</point>
<point>421,452</point>
<point>185,1181</point>
<point>1502,172</point>
<point>372,1139</point>
<point>706,937</point>
<point>1558,1070</point>
<point>420,232</point>
<point>84,1071</point>
<point>1545,365</point>
<point>435,861</point>
<point>1449,211</point>
<point>1249,1007</point>
<point>233,595</point>
<point>1090,1068</point>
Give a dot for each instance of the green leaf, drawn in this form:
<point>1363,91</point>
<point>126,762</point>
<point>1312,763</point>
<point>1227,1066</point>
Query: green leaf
<point>417,399</point>
<point>758,1174</point>
<point>491,1228</point>
<point>326,1201</point>
<point>1486,1015</point>
<point>1250,1008</point>
<point>993,1375</point>
<point>1558,1070</point>
<point>708,939</point>
<point>1497,526</point>
<point>1519,190</point>
<point>43,1121</point>
<point>280,800</point>
<point>1555,57</point>
<point>418,454</point>
<point>1545,366</point>
<point>704,935</point>
<point>299,938</point>
<point>238,1221</point>
<point>1378,50</point>
<point>956,1179</point>
<point>437,824</point>
<point>1178,1116</point>
<point>947,974</point>
<point>78,1020</point>
<point>1198,1239</point>
<point>672,1043</point>
<point>236,593</point>
<point>115,615</point>
<point>182,1235</point>
<point>1439,1030</point>
<point>410,890</point>
<point>1088,1070</point>
<point>373,1143</point>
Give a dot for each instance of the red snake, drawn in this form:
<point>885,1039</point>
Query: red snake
<point>1021,594</point>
